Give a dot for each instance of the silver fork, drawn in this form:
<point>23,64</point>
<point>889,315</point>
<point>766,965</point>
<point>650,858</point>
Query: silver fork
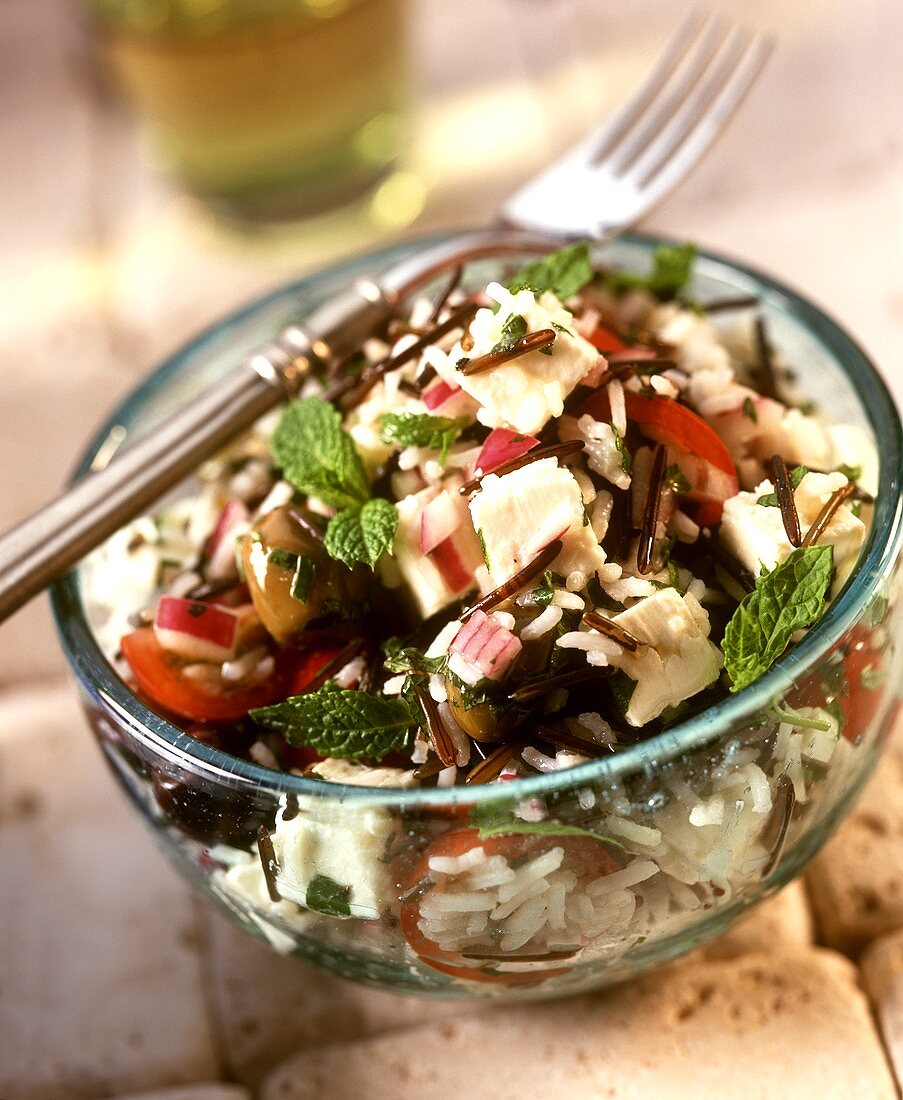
<point>605,184</point>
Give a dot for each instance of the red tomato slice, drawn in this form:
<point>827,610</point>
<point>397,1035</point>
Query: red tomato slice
<point>583,853</point>
<point>605,340</point>
<point>665,421</point>
<point>160,678</point>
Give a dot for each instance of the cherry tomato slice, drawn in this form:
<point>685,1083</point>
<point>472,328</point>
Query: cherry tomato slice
<point>665,421</point>
<point>585,854</point>
<point>604,339</point>
<point>160,677</point>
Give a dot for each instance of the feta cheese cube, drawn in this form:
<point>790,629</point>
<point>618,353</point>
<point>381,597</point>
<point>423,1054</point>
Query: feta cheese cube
<point>755,534</point>
<point>677,661</point>
<point>344,844</point>
<point>530,390</point>
<point>519,514</point>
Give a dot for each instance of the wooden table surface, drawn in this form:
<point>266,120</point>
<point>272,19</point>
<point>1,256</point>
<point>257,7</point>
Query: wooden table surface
<point>113,980</point>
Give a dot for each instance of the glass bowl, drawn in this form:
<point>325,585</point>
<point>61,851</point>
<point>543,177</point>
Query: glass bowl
<point>705,820</point>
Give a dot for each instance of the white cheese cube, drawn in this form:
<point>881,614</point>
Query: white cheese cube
<point>677,661</point>
<point>530,390</point>
<point>344,844</point>
<point>755,534</point>
<point>519,514</point>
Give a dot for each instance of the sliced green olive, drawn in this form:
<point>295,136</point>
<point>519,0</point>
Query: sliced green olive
<point>291,578</point>
<point>478,721</point>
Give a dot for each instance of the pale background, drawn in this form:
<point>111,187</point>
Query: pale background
<point>104,268</point>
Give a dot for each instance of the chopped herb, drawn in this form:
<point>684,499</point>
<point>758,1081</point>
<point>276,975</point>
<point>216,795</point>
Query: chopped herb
<point>621,447</point>
<point>676,480</point>
<point>409,429</point>
<point>362,534</point>
<point>353,725</point>
<point>770,500</point>
<point>542,596</point>
<point>749,410</point>
<point>497,819</point>
<point>787,599</point>
<point>561,328</point>
<point>674,577</point>
<point>400,658</point>
<point>851,473</point>
<point>622,688</point>
<point>514,329</point>
<point>325,895</point>
<point>482,539</point>
<point>856,508</point>
<point>196,610</point>
<point>672,270</point>
<point>565,273</point>
<point>301,567</point>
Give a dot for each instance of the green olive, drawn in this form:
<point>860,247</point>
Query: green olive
<point>478,721</point>
<point>290,576</point>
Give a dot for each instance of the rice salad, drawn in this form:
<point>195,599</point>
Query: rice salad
<point>522,528</point>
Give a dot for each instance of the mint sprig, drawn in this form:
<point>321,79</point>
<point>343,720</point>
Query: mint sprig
<point>409,429</point>
<point>787,599</point>
<point>319,458</point>
<point>565,272</point>
<point>353,725</point>
<point>362,534</point>
<point>671,272</point>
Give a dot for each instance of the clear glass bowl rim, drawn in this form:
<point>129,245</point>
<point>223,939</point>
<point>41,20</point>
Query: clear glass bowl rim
<point>879,553</point>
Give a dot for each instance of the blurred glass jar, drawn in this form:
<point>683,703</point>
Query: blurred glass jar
<point>268,109</point>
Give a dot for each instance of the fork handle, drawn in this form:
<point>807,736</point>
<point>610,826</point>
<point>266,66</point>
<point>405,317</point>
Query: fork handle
<point>54,539</point>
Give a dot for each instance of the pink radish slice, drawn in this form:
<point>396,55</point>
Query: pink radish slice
<point>435,395</point>
<point>196,631</point>
<point>487,645</point>
<point>502,446</point>
<point>438,520</point>
<point>452,567</point>
<point>220,548</point>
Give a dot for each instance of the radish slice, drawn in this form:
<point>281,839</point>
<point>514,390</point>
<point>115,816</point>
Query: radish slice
<point>502,446</point>
<point>486,645</point>
<point>439,519</point>
<point>219,551</point>
<point>435,396</point>
<point>196,631</point>
<point>452,567</point>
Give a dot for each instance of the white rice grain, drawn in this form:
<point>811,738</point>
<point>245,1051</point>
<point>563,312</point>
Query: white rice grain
<point>542,624</point>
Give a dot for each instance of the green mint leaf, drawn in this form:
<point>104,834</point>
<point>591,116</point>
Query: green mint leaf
<point>796,475</point>
<point>409,429</point>
<point>790,597</point>
<point>400,658</point>
<point>317,455</point>
<point>514,329</point>
<point>672,270</point>
<point>352,725</point>
<point>622,688</point>
<point>325,895</point>
<point>565,272</point>
<point>497,819</point>
<point>851,473</point>
<point>362,534</point>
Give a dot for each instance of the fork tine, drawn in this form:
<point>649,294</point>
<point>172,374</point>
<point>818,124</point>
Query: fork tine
<point>670,100</point>
<point>704,118</point>
<point>674,52</point>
